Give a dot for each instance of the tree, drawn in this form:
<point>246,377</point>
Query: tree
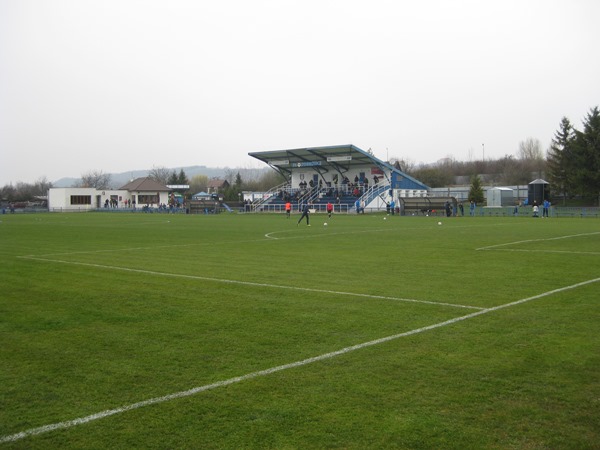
<point>229,175</point>
<point>160,175</point>
<point>587,155</point>
<point>198,183</point>
<point>507,171</point>
<point>405,165</point>
<point>25,191</point>
<point>265,181</point>
<point>476,191</point>
<point>559,160</point>
<point>182,177</point>
<point>172,179</point>
<point>433,176</point>
<point>9,193</point>
<point>531,155</point>
<point>530,149</point>
<point>95,179</point>
<point>41,186</point>
<point>234,191</point>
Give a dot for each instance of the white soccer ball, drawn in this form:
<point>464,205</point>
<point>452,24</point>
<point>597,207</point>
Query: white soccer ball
<point>439,223</point>
<point>385,218</point>
<point>325,224</point>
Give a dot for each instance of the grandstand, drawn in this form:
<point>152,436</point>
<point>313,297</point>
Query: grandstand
<point>341,175</point>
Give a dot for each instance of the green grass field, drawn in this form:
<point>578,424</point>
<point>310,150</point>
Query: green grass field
<point>123,330</point>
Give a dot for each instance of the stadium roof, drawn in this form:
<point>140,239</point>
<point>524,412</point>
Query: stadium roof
<point>339,158</point>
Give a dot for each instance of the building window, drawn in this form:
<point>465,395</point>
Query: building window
<point>147,199</point>
<point>81,199</point>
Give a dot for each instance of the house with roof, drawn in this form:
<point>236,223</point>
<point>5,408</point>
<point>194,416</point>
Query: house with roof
<point>217,186</point>
<point>137,193</point>
<point>146,191</point>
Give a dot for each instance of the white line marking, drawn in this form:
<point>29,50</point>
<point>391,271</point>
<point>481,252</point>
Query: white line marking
<point>261,373</point>
<point>367,230</point>
<point>248,283</point>
<point>543,251</point>
<point>268,237</point>
<point>537,240</point>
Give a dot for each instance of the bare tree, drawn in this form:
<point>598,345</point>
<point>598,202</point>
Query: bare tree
<point>160,174</point>
<point>41,186</point>
<point>404,164</point>
<point>230,175</point>
<point>530,149</point>
<point>95,179</point>
<point>530,153</point>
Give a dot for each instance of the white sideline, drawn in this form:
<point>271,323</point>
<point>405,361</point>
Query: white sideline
<point>196,390</point>
<point>542,251</point>
<point>248,283</point>
<point>537,240</point>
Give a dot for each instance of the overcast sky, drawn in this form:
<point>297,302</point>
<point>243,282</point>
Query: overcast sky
<point>119,85</point>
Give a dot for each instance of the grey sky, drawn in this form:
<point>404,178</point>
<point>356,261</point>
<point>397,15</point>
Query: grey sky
<point>118,85</point>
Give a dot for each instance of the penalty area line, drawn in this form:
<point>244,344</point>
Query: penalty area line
<point>261,373</point>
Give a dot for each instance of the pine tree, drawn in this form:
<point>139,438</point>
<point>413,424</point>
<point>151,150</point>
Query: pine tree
<point>182,177</point>
<point>559,160</point>
<point>587,155</point>
<point>172,181</point>
<point>476,191</point>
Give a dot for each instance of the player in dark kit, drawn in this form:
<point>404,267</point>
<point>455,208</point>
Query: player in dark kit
<point>305,213</point>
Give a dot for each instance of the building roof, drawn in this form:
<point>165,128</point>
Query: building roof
<point>145,185</point>
<point>343,156</point>
<point>217,183</point>
<point>338,158</point>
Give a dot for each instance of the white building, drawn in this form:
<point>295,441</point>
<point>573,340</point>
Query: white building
<point>500,196</point>
<point>135,194</point>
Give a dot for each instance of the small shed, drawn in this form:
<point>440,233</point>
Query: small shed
<point>538,191</point>
<point>500,196</point>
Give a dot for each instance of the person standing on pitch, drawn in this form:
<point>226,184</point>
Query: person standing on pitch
<point>305,212</point>
<point>288,209</point>
<point>329,209</point>
<point>545,208</point>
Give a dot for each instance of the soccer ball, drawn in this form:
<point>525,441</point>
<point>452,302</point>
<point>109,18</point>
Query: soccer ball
<point>439,223</point>
<point>385,218</point>
<point>325,224</point>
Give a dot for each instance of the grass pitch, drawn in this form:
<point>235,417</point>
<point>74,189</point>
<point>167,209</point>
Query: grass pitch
<point>124,330</point>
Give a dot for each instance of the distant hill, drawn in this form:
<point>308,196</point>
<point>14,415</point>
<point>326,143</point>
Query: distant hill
<point>120,179</point>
